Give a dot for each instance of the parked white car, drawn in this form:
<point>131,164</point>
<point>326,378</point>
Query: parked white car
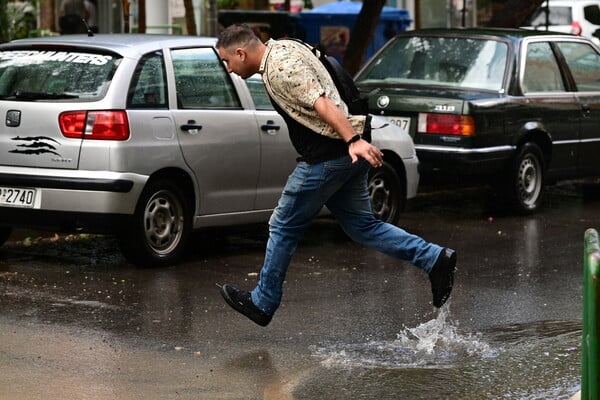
<point>149,137</point>
<point>579,17</point>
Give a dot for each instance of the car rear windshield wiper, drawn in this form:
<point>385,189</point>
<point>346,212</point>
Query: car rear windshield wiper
<point>19,95</point>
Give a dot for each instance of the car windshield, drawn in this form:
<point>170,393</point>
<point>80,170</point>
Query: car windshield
<point>31,75</point>
<point>441,61</point>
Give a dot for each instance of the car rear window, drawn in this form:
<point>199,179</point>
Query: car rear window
<point>442,61</point>
<point>149,84</point>
<point>57,75</point>
<point>592,14</point>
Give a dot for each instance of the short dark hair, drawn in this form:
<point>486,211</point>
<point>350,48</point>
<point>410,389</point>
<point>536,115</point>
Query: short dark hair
<point>239,35</point>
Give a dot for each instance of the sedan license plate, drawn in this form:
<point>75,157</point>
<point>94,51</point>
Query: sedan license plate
<point>402,122</point>
<point>17,197</point>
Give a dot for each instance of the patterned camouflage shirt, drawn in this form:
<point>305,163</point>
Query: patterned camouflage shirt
<point>295,78</point>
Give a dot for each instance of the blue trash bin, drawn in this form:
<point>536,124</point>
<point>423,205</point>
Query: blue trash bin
<point>331,24</point>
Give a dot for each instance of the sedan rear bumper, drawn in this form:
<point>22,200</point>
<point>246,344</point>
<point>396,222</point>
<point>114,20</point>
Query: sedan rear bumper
<point>90,192</point>
<point>463,161</point>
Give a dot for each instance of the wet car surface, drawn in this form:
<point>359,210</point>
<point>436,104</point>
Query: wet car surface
<point>515,108</point>
<point>148,137</point>
<point>78,321</point>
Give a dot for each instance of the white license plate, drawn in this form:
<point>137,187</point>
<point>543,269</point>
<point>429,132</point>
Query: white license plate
<point>402,122</point>
<point>17,197</point>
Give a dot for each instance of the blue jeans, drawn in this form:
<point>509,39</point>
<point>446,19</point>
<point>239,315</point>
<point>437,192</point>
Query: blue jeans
<point>342,187</point>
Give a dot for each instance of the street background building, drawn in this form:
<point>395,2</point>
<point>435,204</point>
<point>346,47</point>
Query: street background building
<point>168,16</point>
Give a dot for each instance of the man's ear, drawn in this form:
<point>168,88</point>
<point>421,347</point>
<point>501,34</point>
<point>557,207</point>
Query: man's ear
<point>240,53</point>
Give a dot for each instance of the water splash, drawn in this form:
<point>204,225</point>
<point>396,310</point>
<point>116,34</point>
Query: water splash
<point>434,344</point>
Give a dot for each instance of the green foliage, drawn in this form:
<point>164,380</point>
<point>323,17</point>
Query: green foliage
<point>228,4</point>
<point>17,19</point>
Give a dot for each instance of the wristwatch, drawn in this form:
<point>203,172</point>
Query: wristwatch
<point>353,139</point>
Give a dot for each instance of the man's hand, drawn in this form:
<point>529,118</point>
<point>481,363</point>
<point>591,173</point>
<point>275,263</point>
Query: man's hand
<point>366,150</point>
<point>338,121</point>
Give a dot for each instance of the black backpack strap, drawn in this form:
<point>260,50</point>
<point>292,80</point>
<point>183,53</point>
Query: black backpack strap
<point>341,78</point>
<point>346,86</point>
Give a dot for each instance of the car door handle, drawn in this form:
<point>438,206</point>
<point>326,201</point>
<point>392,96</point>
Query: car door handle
<point>270,128</point>
<point>191,127</point>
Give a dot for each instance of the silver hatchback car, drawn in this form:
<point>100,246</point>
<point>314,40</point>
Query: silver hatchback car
<point>148,137</point>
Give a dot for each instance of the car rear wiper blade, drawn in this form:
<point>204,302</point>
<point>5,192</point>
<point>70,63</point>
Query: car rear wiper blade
<point>19,95</point>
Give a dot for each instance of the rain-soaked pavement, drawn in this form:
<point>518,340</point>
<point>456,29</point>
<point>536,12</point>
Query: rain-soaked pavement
<point>78,322</point>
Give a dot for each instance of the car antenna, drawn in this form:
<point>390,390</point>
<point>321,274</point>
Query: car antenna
<point>90,33</point>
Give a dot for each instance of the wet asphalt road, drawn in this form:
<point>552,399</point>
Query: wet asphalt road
<point>78,322</point>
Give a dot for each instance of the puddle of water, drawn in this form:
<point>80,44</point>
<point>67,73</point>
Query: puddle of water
<point>539,360</point>
<point>433,344</point>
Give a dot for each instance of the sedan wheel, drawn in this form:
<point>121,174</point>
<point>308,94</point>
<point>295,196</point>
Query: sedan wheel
<point>527,182</point>
<point>387,193</point>
<point>160,227</point>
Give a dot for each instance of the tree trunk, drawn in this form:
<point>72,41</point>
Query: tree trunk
<point>47,15</point>
<point>4,27</point>
<point>190,21</point>
<point>141,16</point>
<point>514,13</point>
<point>126,16</point>
<point>362,34</point>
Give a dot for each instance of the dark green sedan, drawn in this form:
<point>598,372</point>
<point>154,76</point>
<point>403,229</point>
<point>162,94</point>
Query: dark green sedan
<point>517,108</point>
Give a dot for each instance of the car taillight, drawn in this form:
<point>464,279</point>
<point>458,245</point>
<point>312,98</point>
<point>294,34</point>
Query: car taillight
<point>99,125</point>
<point>576,28</point>
<point>446,124</point>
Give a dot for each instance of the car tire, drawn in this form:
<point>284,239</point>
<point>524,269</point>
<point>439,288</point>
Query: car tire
<point>387,193</point>
<point>526,180</point>
<point>158,231</point>
<point>5,232</point>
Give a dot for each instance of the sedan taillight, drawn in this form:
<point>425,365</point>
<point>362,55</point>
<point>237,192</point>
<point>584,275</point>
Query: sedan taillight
<point>446,124</point>
<point>99,125</point>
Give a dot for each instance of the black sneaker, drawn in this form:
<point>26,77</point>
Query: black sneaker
<point>442,277</point>
<point>241,301</point>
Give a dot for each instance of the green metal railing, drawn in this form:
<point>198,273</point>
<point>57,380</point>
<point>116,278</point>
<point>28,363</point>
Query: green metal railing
<point>590,353</point>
